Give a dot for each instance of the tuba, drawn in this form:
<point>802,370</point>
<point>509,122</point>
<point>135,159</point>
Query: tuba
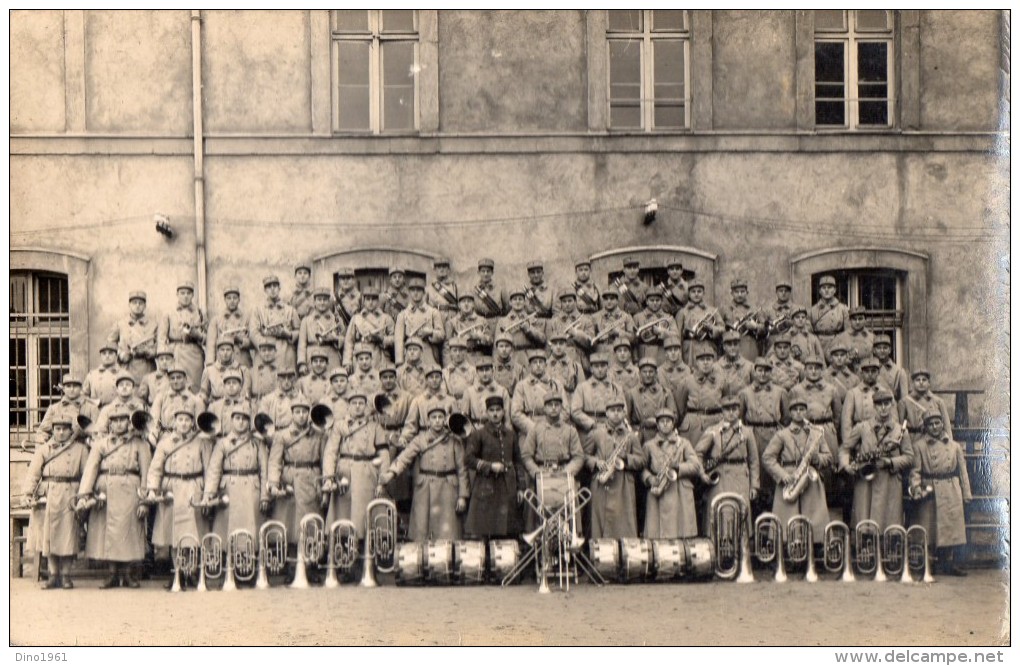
<point>800,545</point>
<point>917,552</point>
<point>272,551</point>
<point>311,548</point>
<point>343,551</point>
<point>727,527</point>
<point>868,539</point>
<point>768,543</point>
<point>212,560</point>
<point>380,540</point>
<point>837,550</point>
<point>894,552</point>
<point>242,563</point>
<point>186,560</point>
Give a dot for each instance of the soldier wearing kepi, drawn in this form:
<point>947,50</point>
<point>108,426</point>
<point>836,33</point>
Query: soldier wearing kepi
<point>101,383</point>
<point>419,321</point>
<point>859,403</point>
<point>440,479</point>
<point>473,404</point>
<point>111,481</point>
<point>528,402</point>
<point>527,331</point>
<point>295,463</point>
<point>803,342</point>
<point>183,330</point>
<point>878,448</point>
<point>391,419</point>
<point>551,446</point>
<point>442,291</point>
<point>858,340</point>
<point>315,385</point>
<point>491,301</point>
<point>395,297</point>
<point>746,321</point>
<point>670,512</point>
<point>588,404</point>
<point>347,302</point>
<point>838,374</point>
<point>699,398</point>
<point>493,453</point>
<point>674,291</point>
<point>764,409</point>
<point>176,396</point>
<point>125,400</point>
<point>321,329</point>
<point>231,325</point>
<point>505,368</point>
<point>632,289</point>
<point>70,405</point>
<point>371,327</point>
<point>697,322</point>
<point>157,381</point>
<point>920,401</point>
<point>211,388</point>
<point>538,297</point>
<point>135,337</point>
<point>672,370</point>
<point>645,400</point>
<point>829,317</point>
<point>280,403</point>
<point>730,449</point>
<point>561,367</point>
<point>653,326</point>
<point>459,373</point>
<point>301,298</point>
<point>232,399</point>
<point>411,374</point>
<point>889,372</point>
<point>786,371</point>
<point>940,485</point>
<point>613,456</point>
<point>577,328</point>
<point>276,322</point>
<point>433,395</point>
<point>472,328</point>
<point>53,479</point>
<point>585,288</point>
<point>734,370</point>
<point>612,324</point>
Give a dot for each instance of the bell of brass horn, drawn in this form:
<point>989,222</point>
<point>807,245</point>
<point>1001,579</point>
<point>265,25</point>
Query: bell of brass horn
<point>867,471</point>
<point>381,402</point>
<point>322,417</point>
<point>140,420</point>
<point>264,424</point>
<point>208,423</point>
<point>459,424</point>
<point>84,422</point>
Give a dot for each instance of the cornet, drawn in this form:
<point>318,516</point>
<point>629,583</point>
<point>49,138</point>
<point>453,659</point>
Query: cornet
<point>648,327</point>
<point>837,550</point>
<point>800,545</point>
<point>768,543</point>
<point>272,551</point>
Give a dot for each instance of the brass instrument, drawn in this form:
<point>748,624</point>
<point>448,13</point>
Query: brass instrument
<point>649,326</point>
<point>668,473</point>
<point>868,539</point>
<point>320,335</point>
<point>272,552</point>
<point>607,332</point>
<point>779,326</point>
<point>804,474</point>
<point>866,465</point>
<point>211,552</point>
<point>322,417</point>
<point>615,460</point>
<point>521,322</point>
<point>311,547</point>
<point>263,427</point>
<point>380,540</point>
<point>727,527</point>
<point>768,543</point>
<point>918,493</point>
<point>278,331</point>
<point>894,552</point>
<point>800,545</point>
<point>741,325</point>
<point>837,550</point>
<point>166,497</point>
<point>232,333</point>
<point>27,501</point>
<point>242,561</point>
<point>464,332</point>
<point>373,335</point>
<point>133,349</point>
<point>186,560</point>
<point>917,552</point>
<point>701,331</point>
<point>668,297</point>
<point>208,423</point>
<point>343,551</point>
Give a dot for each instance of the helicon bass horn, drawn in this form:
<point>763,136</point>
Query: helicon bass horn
<point>272,552</point>
<point>917,552</point>
<point>768,543</point>
<point>212,560</point>
<point>868,540</point>
<point>311,547</point>
<point>894,552</point>
<point>343,551</point>
<point>186,560</point>
<point>380,540</point>
<point>242,562</point>
<point>837,550</point>
<point>800,545</point>
<point>728,516</point>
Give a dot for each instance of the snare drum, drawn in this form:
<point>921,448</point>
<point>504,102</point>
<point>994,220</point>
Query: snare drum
<point>439,561</point>
<point>605,557</point>
<point>700,557</point>
<point>469,562</point>
<point>635,559</point>
<point>410,566</point>
<point>670,558</point>
<point>503,557</point>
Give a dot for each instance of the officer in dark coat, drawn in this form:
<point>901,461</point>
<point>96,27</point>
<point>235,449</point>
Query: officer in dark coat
<point>492,453</point>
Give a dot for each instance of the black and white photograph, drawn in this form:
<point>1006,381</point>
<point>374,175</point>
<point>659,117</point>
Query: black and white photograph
<point>403,327</point>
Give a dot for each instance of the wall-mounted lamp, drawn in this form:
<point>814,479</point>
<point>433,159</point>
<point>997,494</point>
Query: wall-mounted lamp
<point>163,225</point>
<point>651,208</point>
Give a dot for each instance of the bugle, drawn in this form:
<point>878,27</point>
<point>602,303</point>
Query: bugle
<point>343,551</point>
<point>272,552</point>
<point>167,497</point>
<point>381,402</point>
<point>768,543</point>
<point>728,519</point>
<point>212,561</point>
<point>609,331</point>
<point>459,424</point>
<point>800,545</point>
<point>836,542</point>
<point>133,349</point>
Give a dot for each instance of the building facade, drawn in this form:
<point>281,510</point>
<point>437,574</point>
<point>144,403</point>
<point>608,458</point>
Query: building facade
<point>778,145</point>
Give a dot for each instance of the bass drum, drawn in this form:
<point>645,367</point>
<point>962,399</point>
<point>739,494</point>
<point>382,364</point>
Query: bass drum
<point>636,559</point>
<point>700,557</point>
<point>670,557</point>
<point>410,565</point>
<point>469,562</point>
<point>503,557</point>
<point>605,557</point>
<point>439,561</point>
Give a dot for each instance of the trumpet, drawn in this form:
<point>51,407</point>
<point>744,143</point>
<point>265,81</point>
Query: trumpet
<point>380,540</point>
<point>728,530</point>
<point>768,543</point>
<point>311,548</point>
<point>868,539</point>
<point>837,550</point>
<point>343,551</point>
<point>800,545</point>
<point>211,552</point>
<point>272,551</point>
<point>521,322</point>
<point>242,562</point>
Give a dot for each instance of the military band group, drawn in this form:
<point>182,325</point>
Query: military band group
<point>653,399</point>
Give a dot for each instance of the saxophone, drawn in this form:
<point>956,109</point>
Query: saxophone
<point>804,473</point>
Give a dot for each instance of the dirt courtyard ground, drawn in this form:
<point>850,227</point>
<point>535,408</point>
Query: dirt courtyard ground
<point>952,611</point>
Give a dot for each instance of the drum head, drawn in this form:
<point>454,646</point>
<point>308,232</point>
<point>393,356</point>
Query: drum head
<point>635,559</point>
<point>701,556</point>
<point>605,557</point>
<point>670,558</point>
<point>469,562</point>
<point>409,563</point>
<point>439,561</point>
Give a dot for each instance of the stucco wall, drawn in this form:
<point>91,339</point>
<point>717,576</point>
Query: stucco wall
<point>37,71</point>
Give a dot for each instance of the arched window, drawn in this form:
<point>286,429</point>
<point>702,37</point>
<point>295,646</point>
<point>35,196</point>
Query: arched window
<point>607,266</point>
<point>372,264</point>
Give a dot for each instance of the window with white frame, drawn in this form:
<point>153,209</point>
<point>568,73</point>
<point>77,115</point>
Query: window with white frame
<point>881,292</point>
<point>40,344</point>
<point>649,52</point>
<point>375,70</point>
<point>854,68</point>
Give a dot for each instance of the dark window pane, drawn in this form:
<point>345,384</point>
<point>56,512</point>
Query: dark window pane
<point>668,20</point>
<point>354,91</point>
<point>878,292</point>
<point>625,116</point>
<point>17,350</point>
<point>872,90</point>
<point>829,62</point>
<point>872,19</point>
<point>669,70</point>
<point>830,19</point>
<point>65,352</point>
<point>625,70</point>
<point>398,20</point>
<point>872,61</point>
<point>52,294</point>
<point>44,351</point>
<point>348,20</point>
<point>624,20</point>
<point>830,113</point>
<point>669,115</point>
<point>19,294</point>
<point>398,85</point>
<point>829,91</point>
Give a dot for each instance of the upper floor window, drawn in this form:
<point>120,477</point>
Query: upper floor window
<point>649,51</point>
<point>854,68</point>
<point>40,345</point>
<point>375,70</point>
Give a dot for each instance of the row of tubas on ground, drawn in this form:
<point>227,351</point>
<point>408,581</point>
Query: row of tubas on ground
<point>895,553</point>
